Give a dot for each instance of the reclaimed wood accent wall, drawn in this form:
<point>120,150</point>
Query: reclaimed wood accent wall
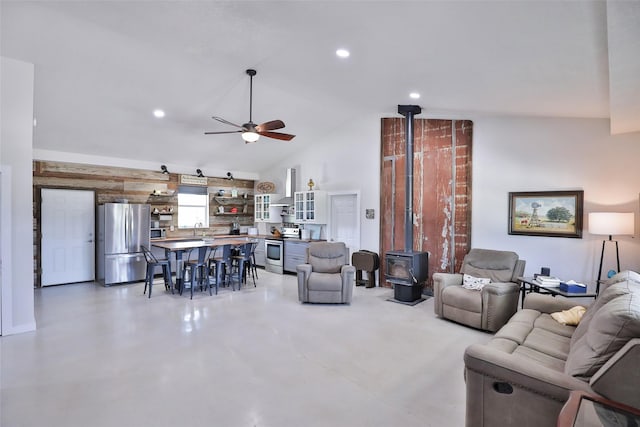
<point>112,184</point>
<point>441,191</point>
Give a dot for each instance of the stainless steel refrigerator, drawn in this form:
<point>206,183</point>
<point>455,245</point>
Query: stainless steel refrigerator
<point>123,229</point>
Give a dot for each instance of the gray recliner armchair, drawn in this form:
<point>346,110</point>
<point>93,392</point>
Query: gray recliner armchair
<point>327,276</point>
<point>490,308</point>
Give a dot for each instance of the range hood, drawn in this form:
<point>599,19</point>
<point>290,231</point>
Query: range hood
<point>289,189</point>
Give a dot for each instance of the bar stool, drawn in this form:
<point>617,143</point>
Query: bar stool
<point>243,263</point>
<point>198,270</point>
<point>152,263</point>
<point>220,263</point>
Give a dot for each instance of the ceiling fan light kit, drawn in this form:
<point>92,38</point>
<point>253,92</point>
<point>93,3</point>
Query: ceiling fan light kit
<point>250,137</point>
<point>250,131</point>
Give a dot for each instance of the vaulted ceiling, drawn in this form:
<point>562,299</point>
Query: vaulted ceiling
<point>102,67</point>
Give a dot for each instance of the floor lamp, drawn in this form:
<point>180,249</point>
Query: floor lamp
<point>610,223</point>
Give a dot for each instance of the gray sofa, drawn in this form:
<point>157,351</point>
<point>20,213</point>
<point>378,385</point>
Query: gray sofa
<point>523,375</point>
<point>489,308</point>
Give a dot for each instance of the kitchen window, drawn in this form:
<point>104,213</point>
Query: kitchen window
<point>193,207</point>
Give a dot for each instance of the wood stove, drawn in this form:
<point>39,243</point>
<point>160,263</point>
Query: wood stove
<point>407,270</point>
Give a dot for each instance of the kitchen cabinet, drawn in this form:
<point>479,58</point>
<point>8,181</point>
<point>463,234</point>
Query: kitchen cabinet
<point>260,254</point>
<point>264,211</point>
<point>295,253</point>
<point>310,207</point>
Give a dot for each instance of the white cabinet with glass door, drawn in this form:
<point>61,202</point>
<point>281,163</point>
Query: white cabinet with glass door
<point>263,207</point>
<point>310,207</point>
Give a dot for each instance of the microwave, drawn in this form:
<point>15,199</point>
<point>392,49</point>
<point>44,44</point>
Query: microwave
<point>158,233</point>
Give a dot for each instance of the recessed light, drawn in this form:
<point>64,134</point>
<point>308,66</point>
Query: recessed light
<point>158,113</point>
<point>414,95</point>
<point>342,53</point>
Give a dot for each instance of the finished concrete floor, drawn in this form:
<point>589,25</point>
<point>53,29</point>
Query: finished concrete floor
<point>254,357</point>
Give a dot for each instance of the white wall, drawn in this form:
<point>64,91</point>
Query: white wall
<point>537,154</point>
<point>16,110</point>
<point>345,159</point>
<point>509,154</point>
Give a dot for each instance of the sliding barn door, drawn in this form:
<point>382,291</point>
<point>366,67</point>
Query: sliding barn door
<point>441,190</point>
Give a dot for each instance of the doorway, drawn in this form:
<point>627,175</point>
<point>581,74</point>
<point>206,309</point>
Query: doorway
<point>68,236</point>
<point>344,219</point>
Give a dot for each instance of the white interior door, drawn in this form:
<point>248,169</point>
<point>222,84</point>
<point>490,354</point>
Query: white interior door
<point>344,219</point>
<point>68,241</point>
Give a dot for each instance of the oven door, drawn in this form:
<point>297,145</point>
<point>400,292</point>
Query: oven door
<point>274,256</point>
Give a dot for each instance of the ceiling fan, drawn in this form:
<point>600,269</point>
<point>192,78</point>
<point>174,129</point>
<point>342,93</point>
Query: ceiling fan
<point>250,131</point>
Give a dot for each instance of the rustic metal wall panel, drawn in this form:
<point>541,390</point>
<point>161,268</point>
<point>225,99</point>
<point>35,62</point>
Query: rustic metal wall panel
<point>442,190</point>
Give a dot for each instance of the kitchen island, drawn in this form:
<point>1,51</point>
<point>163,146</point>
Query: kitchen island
<point>180,246</point>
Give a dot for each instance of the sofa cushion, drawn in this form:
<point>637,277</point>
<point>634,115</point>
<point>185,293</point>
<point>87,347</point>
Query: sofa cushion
<point>623,276</point>
<point>457,296</point>
<point>546,322</point>
<point>495,265</point>
<point>519,326</point>
<point>610,293</point>
<point>325,282</point>
<point>327,257</point>
<point>548,343</point>
<point>610,328</point>
<point>536,357</point>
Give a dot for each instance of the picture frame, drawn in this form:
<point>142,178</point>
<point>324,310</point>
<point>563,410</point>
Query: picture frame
<point>546,213</point>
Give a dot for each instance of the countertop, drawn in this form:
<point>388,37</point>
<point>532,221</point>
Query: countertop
<point>238,236</point>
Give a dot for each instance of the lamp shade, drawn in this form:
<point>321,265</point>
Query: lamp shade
<point>612,223</point>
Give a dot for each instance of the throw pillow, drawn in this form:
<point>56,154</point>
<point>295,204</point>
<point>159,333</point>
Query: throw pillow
<point>569,317</point>
<point>474,283</point>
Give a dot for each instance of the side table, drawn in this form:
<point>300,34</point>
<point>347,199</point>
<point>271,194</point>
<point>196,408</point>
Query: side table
<point>586,410</point>
<point>534,286</point>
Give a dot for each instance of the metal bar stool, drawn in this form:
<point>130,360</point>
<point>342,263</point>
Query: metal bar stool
<point>152,263</point>
<point>220,263</point>
<point>198,270</point>
<point>243,263</point>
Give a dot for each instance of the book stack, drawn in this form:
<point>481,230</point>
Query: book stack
<point>548,281</point>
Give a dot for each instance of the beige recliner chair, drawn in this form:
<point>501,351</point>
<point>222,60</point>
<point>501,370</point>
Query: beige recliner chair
<point>327,276</point>
<point>489,308</point>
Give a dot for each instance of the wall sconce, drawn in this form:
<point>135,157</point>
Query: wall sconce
<point>199,173</point>
<point>611,223</point>
<point>229,176</point>
<point>164,170</point>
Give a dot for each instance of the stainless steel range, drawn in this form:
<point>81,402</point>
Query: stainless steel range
<point>274,261</point>
<point>274,248</point>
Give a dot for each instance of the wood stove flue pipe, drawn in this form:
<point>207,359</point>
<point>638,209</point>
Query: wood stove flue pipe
<point>408,111</point>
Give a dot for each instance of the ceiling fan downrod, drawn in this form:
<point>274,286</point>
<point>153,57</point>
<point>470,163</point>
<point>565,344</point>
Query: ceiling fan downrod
<point>251,73</point>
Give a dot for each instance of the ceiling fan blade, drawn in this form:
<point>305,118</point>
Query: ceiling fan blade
<point>272,125</point>
<point>226,131</point>
<point>227,122</point>
<point>278,135</point>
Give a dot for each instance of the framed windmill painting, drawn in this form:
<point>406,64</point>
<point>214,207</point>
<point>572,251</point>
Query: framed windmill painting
<point>546,213</point>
